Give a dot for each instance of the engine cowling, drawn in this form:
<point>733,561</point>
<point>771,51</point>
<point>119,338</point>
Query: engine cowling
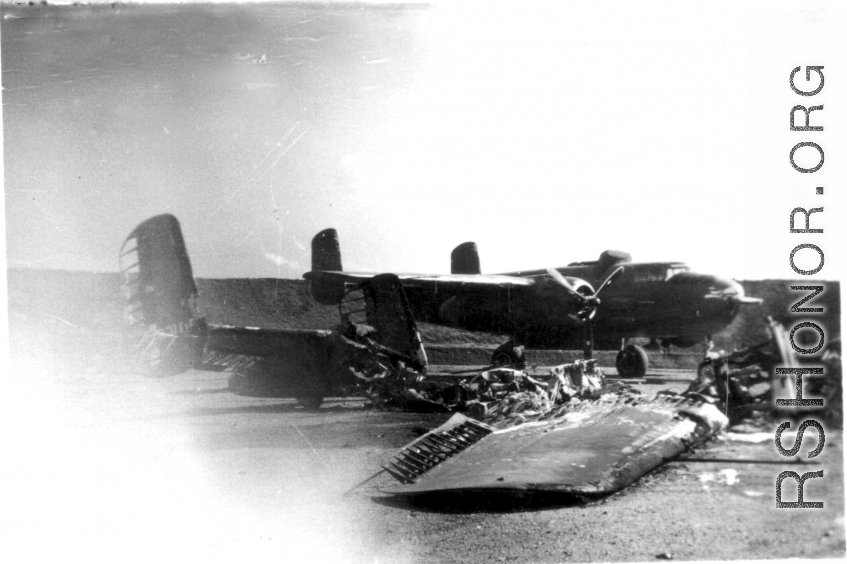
<point>581,309</point>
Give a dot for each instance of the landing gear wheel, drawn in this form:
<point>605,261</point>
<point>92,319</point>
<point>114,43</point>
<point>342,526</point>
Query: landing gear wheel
<point>632,362</point>
<point>311,402</point>
<point>311,396</point>
<point>509,355</point>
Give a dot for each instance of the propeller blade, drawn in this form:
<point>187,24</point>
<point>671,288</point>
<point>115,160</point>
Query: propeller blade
<point>732,298</point>
<point>588,307</point>
<point>735,299</point>
<point>557,276</point>
<point>609,279</point>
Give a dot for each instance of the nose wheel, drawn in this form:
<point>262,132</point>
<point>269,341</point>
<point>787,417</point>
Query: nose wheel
<point>632,362</point>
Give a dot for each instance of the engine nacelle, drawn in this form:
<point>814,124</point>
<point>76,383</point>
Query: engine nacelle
<point>580,285</point>
<point>449,311</point>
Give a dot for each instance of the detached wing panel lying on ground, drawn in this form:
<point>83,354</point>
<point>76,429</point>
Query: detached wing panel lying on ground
<point>596,449</point>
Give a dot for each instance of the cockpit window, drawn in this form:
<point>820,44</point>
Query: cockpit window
<point>651,274</point>
<point>675,270</point>
<point>657,273</point>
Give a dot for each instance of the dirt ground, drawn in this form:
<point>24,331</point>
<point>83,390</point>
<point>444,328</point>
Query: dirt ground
<point>101,464</point>
<point>114,466</point>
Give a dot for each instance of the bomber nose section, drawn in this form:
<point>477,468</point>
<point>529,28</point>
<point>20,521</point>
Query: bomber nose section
<point>730,292</point>
<point>697,305</point>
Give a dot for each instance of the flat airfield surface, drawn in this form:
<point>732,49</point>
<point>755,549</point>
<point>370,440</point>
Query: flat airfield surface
<point>121,467</point>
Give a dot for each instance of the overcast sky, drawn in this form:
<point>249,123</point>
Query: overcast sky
<point>546,134</point>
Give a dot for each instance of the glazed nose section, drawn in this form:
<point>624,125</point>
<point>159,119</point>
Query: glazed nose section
<point>730,292</point>
<point>736,295</point>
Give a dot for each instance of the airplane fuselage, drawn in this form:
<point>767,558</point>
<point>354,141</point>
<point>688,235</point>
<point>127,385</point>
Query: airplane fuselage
<point>618,298</point>
<point>656,300</point>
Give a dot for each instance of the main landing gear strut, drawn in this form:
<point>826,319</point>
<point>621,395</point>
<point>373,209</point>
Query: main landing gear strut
<point>631,361</point>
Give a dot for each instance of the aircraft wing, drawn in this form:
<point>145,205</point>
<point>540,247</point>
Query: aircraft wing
<point>432,282</point>
<point>598,448</point>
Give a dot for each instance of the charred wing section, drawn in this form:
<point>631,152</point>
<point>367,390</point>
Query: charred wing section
<point>389,312</point>
<point>596,447</point>
<point>431,449</point>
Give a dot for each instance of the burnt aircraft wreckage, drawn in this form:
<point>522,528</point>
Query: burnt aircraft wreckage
<point>587,437</point>
<point>570,431</point>
<point>557,307</point>
<point>165,335</point>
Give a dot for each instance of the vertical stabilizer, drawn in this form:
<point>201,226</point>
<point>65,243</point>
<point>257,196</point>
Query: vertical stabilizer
<point>465,259</point>
<point>157,274</point>
<point>326,256</point>
<point>159,289</point>
<point>326,251</point>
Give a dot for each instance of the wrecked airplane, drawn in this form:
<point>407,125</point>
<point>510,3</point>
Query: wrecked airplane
<point>570,431</point>
<point>165,335</point>
<point>554,308</point>
<point>585,438</point>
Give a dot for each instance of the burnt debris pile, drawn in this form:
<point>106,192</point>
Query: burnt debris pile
<point>747,382</point>
<point>502,397</point>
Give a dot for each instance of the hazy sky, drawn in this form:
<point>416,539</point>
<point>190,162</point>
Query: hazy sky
<point>546,134</point>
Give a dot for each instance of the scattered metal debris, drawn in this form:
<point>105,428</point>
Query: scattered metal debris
<point>567,432</point>
<point>741,380</point>
<point>571,433</point>
<point>744,381</point>
<point>499,396</point>
<point>506,397</point>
